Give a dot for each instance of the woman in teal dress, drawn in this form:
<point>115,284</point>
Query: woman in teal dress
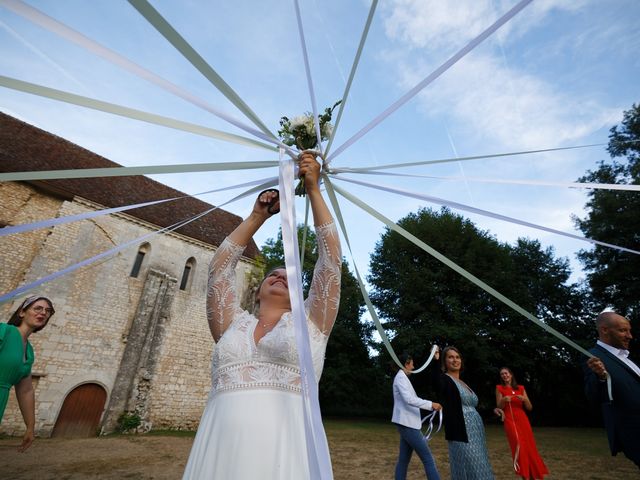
<point>463,428</point>
<point>16,359</point>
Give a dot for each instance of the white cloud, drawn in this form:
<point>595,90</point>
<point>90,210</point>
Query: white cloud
<point>434,24</point>
<point>507,105</point>
<point>514,108</point>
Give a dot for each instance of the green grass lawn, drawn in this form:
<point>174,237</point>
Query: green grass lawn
<point>368,449</point>
<point>360,449</point>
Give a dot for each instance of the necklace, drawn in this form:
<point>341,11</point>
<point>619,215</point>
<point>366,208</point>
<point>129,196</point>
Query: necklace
<point>266,327</point>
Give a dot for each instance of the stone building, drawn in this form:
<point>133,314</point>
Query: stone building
<point>130,332</point>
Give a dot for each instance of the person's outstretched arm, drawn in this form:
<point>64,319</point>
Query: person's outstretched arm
<point>222,299</point>
<point>436,374</point>
<point>595,381</point>
<point>27,404</point>
<point>324,294</point>
<point>408,394</point>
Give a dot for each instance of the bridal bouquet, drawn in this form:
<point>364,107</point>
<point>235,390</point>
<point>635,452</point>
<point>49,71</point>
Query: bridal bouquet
<point>300,132</point>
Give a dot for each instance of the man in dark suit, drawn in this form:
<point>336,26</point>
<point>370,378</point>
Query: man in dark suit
<point>621,412</point>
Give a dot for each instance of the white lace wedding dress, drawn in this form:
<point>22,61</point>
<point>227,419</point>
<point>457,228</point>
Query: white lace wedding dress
<point>253,426</point>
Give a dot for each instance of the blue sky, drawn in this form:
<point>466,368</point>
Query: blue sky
<point>559,74</point>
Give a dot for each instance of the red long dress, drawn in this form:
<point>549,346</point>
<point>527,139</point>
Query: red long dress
<point>526,459</point>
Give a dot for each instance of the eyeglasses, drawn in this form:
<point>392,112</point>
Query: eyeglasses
<point>40,309</point>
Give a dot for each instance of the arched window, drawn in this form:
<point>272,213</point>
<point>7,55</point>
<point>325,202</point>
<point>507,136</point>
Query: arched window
<point>144,249</point>
<point>187,273</point>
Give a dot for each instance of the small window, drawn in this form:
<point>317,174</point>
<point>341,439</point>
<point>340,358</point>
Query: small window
<point>137,264</point>
<point>185,277</point>
<point>187,273</point>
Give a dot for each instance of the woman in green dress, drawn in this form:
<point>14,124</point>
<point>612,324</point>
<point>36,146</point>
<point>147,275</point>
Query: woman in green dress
<point>16,359</point>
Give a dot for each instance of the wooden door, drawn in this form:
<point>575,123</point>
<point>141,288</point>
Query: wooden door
<point>81,411</point>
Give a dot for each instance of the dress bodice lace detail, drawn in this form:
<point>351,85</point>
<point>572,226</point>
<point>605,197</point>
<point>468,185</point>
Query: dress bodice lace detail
<point>238,361</point>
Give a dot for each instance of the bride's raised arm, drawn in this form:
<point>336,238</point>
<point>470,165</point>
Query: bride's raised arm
<point>222,299</point>
<point>324,294</point>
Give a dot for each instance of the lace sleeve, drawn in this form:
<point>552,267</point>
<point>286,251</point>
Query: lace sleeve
<point>324,294</point>
<point>222,301</point>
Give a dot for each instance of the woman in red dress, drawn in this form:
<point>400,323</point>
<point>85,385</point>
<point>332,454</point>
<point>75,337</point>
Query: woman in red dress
<point>512,400</point>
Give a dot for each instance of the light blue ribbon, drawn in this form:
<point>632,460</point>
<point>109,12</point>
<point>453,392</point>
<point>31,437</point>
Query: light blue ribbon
<point>127,112</point>
<point>307,70</point>
<point>434,75</point>
<point>486,213</point>
<point>352,74</point>
<point>8,296</point>
<point>27,227</point>
<point>167,31</point>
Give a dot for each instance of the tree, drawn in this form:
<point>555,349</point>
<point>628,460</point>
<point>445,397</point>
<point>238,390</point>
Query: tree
<point>423,302</point>
<point>350,383</point>
<point>613,216</point>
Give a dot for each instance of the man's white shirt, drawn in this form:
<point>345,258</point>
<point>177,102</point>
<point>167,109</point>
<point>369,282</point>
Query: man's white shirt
<point>620,354</point>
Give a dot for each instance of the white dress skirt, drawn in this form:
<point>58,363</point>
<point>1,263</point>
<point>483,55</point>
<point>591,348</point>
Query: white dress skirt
<point>221,450</point>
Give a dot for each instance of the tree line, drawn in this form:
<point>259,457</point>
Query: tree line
<point>422,302</point>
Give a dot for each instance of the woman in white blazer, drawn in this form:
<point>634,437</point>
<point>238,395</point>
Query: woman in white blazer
<point>406,416</point>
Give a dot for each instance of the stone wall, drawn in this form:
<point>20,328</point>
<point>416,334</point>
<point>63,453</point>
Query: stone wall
<point>99,308</point>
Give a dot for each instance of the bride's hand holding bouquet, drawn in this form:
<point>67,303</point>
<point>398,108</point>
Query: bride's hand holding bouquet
<point>300,132</point>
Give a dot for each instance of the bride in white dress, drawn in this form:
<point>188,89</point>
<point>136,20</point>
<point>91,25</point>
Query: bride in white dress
<point>253,424</point>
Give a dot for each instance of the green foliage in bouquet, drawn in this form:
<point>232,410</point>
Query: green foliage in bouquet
<point>300,132</point>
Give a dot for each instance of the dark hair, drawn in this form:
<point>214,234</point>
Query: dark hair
<point>404,358</point>
<point>513,383</point>
<point>443,357</point>
<point>16,319</point>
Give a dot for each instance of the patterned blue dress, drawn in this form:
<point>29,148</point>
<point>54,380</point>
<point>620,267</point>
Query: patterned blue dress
<point>470,461</point>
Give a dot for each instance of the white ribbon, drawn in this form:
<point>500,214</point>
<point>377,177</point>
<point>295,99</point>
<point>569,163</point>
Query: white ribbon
<point>435,74</point>
<point>516,454</point>
<point>434,349</point>
<point>472,278</point>
<point>36,16</point>
<point>127,171</point>
<point>27,227</point>
<point>459,159</point>
<point>136,241</point>
<point>429,433</point>
<point>352,74</point>
<point>457,268</point>
<point>538,183</point>
<point>479,211</point>
<point>307,70</point>
<point>317,448</point>
<point>305,230</point>
<point>161,25</point>
<point>62,96</point>
<point>372,311</point>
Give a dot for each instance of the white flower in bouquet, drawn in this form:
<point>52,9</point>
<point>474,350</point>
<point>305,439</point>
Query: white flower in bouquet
<point>300,131</point>
<point>327,130</point>
<point>297,122</point>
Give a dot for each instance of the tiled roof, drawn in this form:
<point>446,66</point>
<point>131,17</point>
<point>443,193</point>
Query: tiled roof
<point>24,147</point>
